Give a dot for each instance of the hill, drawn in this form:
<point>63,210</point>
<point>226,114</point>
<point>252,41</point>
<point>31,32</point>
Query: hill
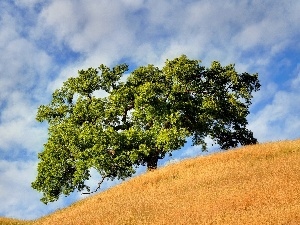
<point>257,184</point>
<point>9,221</point>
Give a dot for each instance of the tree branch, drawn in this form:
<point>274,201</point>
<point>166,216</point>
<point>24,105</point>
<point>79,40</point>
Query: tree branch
<point>99,184</point>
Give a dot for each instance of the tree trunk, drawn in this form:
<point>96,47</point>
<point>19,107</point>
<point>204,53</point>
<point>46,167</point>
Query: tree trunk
<point>152,160</point>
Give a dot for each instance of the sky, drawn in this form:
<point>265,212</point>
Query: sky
<point>43,42</point>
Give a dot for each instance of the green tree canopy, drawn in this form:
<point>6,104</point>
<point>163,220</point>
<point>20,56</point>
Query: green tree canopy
<point>141,120</point>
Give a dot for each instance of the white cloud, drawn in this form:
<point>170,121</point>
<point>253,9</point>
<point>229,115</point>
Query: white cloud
<point>133,4</point>
<point>18,199</point>
<point>86,26</point>
<point>23,78</point>
<point>18,127</point>
<point>60,16</point>
<point>279,119</point>
<point>149,32</point>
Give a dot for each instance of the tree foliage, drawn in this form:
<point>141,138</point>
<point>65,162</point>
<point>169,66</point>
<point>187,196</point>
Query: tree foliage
<point>141,120</point>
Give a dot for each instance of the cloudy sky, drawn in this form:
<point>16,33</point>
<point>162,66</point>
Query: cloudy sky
<point>43,42</point>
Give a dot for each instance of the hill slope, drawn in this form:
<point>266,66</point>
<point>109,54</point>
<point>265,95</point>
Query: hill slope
<point>253,185</point>
<point>9,221</point>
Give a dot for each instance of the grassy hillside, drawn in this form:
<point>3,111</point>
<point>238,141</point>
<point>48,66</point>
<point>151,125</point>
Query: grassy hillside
<point>7,221</point>
<point>253,185</point>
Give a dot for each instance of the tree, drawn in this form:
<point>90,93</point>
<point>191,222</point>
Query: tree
<point>141,120</point>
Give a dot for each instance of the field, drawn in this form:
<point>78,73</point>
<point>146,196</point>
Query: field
<point>257,184</point>
<point>7,221</point>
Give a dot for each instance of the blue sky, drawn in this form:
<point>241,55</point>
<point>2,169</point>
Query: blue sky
<point>43,42</point>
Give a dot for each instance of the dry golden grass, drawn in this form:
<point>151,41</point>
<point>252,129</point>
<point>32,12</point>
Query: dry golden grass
<point>7,221</point>
<point>252,185</point>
